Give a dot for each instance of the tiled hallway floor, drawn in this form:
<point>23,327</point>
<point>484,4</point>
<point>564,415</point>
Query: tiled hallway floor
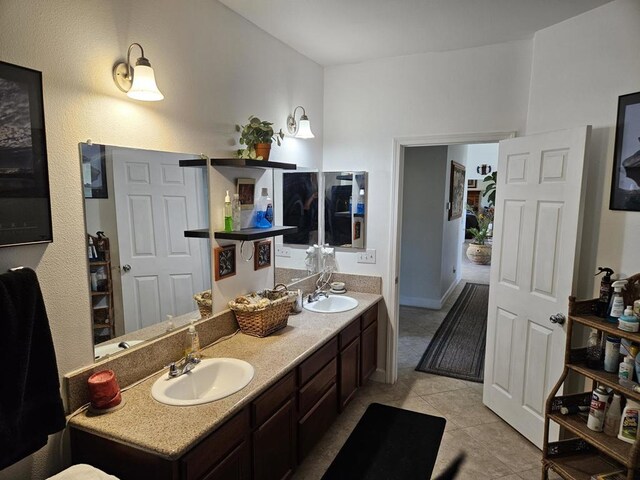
<point>493,448</point>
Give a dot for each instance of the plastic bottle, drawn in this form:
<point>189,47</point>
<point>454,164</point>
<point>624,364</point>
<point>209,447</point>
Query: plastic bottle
<point>268,213</point>
<point>263,204</point>
<point>629,424</point>
<point>612,354</point>
<point>193,342</point>
<point>360,205</point>
<point>228,218</point>
<point>616,309</point>
<point>236,213</point>
<point>628,321</point>
<point>594,351</point>
<point>605,291</point>
<point>626,368</point>
<point>612,418</point>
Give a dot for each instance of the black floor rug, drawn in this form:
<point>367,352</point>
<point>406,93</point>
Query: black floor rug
<point>457,349</point>
<point>389,443</point>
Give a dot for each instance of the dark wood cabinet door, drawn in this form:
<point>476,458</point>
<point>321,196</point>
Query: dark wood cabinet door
<point>369,356</point>
<point>349,366</point>
<point>235,466</point>
<point>274,445</point>
<point>315,423</point>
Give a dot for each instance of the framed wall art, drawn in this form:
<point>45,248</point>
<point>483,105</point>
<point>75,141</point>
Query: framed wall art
<point>472,183</point>
<point>225,261</point>
<point>456,191</point>
<point>94,171</point>
<point>625,181</point>
<point>246,192</point>
<point>25,206</point>
<point>261,254</point>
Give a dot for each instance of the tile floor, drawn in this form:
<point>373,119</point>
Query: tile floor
<point>493,448</point>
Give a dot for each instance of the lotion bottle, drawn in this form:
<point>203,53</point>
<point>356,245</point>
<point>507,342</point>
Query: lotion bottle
<point>628,321</point>
<point>193,342</point>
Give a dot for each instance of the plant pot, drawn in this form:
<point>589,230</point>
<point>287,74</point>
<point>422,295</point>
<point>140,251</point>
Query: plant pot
<point>263,150</point>
<point>479,254</point>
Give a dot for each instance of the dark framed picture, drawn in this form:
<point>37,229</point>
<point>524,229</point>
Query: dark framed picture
<point>261,254</point>
<point>472,184</point>
<point>25,206</point>
<point>94,171</point>
<point>625,181</point>
<point>246,192</point>
<point>225,261</point>
<point>456,191</point>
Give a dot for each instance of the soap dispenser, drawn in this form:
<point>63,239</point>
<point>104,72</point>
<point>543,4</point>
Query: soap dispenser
<point>193,342</point>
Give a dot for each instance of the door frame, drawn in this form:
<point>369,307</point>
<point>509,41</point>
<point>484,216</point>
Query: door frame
<point>395,232</point>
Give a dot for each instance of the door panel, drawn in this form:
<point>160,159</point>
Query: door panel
<point>537,227</point>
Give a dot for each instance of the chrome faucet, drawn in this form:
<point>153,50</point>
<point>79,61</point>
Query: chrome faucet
<point>315,296</point>
<point>185,366</point>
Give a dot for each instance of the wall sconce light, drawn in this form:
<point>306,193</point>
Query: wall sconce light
<point>138,82</point>
<point>484,169</point>
<point>302,128</point>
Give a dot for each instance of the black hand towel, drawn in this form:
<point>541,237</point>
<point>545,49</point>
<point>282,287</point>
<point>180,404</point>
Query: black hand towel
<point>30,403</point>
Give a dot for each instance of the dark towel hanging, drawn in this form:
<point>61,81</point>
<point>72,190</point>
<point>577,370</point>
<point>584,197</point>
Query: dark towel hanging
<point>30,403</point>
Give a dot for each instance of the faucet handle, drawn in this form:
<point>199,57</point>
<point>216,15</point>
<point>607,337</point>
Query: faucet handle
<point>173,370</point>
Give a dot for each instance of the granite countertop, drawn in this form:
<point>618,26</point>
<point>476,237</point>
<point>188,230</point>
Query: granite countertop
<point>170,431</point>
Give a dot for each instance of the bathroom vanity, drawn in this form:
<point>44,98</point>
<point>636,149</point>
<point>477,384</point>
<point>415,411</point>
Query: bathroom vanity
<point>305,375</point>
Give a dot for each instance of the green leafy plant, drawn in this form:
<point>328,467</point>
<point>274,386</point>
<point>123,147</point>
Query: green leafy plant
<point>254,132</point>
<point>490,189</point>
<point>481,232</point>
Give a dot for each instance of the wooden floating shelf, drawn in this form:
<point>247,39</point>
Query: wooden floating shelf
<point>238,163</point>
<point>198,233</point>
<point>255,233</point>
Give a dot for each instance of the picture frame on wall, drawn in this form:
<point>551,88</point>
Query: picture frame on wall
<point>94,171</point>
<point>246,188</point>
<point>456,190</point>
<point>472,184</point>
<point>25,204</point>
<point>261,254</point>
<point>625,180</point>
<point>224,261</point>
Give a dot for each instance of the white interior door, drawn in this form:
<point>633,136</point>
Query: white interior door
<point>533,271</point>
<point>156,201</point>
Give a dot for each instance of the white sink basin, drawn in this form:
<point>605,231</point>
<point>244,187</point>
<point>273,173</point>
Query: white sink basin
<point>210,380</point>
<point>332,304</point>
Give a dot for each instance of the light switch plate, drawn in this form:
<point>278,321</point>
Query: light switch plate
<point>283,251</point>
<point>367,257</point>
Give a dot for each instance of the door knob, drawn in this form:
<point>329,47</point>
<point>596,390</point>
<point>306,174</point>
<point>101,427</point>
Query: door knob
<point>126,267</point>
<point>558,318</point>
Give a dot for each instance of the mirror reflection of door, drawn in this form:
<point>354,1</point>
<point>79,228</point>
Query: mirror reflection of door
<point>300,207</point>
<point>345,209</point>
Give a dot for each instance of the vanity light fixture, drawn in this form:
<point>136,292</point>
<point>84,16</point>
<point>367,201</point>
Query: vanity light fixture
<point>302,128</point>
<point>138,82</point>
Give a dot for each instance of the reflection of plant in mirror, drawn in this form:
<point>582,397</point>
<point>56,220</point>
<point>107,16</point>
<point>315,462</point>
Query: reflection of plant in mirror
<point>256,131</point>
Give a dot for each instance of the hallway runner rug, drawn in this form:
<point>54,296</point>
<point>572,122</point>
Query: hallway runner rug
<point>457,349</point>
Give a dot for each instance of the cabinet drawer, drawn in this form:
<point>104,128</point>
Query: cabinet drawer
<point>215,447</point>
<point>316,422</point>
<point>349,333</point>
<point>317,386</point>
<point>272,399</point>
<point>369,316</point>
<point>315,362</point>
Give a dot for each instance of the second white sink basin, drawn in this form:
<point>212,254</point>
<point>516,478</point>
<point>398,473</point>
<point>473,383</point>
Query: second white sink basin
<point>332,304</point>
<point>210,380</point>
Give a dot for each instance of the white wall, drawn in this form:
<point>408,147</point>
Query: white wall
<point>478,154</point>
<point>423,189</point>
<point>369,104</point>
<point>580,67</point>
<point>206,64</point>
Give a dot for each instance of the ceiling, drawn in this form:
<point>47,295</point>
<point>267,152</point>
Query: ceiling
<point>333,32</point>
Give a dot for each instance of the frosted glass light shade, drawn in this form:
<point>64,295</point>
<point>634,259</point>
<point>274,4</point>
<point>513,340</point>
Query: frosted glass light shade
<point>144,85</point>
<point>304,130</point>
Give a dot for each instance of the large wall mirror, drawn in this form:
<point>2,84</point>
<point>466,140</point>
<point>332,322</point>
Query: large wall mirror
<point>345,207</point>
<point>143,271</point>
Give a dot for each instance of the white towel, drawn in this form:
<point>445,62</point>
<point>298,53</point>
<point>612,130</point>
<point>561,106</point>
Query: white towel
<point>82,472</point>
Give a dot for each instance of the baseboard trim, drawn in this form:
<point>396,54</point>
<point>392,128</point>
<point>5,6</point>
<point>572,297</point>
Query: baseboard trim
<point>430,303</point>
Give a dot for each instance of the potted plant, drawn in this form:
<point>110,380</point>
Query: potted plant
<point>479,251</point>
<point>257,136</point>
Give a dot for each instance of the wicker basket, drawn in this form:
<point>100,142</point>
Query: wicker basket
<point>204,301</point>
<point>261,316</point>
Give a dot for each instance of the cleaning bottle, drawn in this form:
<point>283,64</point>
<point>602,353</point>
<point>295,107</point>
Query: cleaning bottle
<point>616,308</point>
<point>228,218</point>
<point>236,213</point>
<point>263,204</point>
<point>612,417</point>
<point>605,291</point>
<point>193,342</point>
<point>629,424</point>
<point>626,368</point>
<point>628,321</point>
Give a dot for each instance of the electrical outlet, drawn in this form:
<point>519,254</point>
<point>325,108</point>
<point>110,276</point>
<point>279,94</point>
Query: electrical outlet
<point>367,257</point>
<point>283,252</point>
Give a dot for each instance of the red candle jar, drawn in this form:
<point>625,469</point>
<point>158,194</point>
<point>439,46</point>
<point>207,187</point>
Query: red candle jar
<point>104,391</point>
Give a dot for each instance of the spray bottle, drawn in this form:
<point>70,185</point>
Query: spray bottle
<point>616,308</point>
<point>605,291</point>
